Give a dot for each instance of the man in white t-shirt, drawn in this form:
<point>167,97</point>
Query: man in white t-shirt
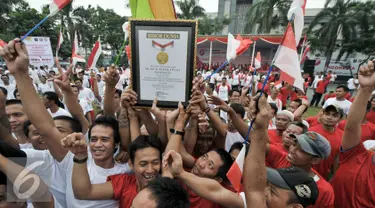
<point>101,85</point>
<point>340,99</point>
<point>84,93</point>
<point>273,98</point>
<point>232,135</point>
<point>353,83</point>
<point>235,79</point>
<point>223,90</point>
<point>54,106</point>
<point>7,85</point>
<point>86,108</point>
<point>45,86</point>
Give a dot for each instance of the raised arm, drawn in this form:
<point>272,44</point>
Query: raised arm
<point>82,187</point>
<point>41,197</point>
<point>301,110</point>
<point>161,117</point>
<point>191,133</point>
<point>255,160</point>
<point>175,140</point>
<point>352,133</point>
<point>71,100</point>
<point>207,188</point>
<point>94,87</point>
<point>17,60</point>
<point>111,78</point>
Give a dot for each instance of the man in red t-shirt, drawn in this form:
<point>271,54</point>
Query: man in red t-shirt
<point>295,128</point>
<point>308,150</point>
<point>354,181</point>
<point>321,86</point>
<point>283,118</point>
<point>331,116</point>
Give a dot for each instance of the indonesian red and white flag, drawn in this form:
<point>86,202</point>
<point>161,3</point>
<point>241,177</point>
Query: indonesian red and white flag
<point>2,44</point>
<point>77,58</point>
<point>95,53</point>
<point>75,48</point>
<point>299,19</point>
<point>286,59</point>
<point>258,61</point>
<point>235,172</point>
<point>236,47</point>
<point>60,40</point>
<point>57,5</point>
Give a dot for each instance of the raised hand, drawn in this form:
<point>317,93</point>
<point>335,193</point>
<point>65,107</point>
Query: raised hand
<point>173,162</point>
<point>172,115</point>
<point>221,104</point>
<point>156,111</point>
<point>63,81</point>
<point>111,77</point>
<point>259,112</point>
<point>182,117</point>
<point>203,123</point>
<point>76,144</point>
<point>198,99</point>
<point>16,57</point>
<point>129,96</point>
<point>366,75</point>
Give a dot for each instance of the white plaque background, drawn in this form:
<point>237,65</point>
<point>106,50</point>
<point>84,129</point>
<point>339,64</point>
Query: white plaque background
<point>167,81</point>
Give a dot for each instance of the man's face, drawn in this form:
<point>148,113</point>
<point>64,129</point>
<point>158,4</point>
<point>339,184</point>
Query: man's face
<point>277,197</point>
<point>292,129</point>
<point>204,142</point>
<point>146,165</point>
<point>224,81</point>
<point>16,117</point>
<point>64,127</point>
<point>293,106</point>
<point>235,98</point>
<point>207,165</point>
<point>274,92</point>
<point>340,93</point>
<point>282,122</point>
<point>102,143</point>
<point>98,77</point>
<point>80,75</point>
<point>75,91</point>
<point>35,139</point>
<point>5,79</point>
<point>46,102</point>
<point>330,118</point>
<point>144,199</point>
<point>298,157</point>
<point>78,83</point>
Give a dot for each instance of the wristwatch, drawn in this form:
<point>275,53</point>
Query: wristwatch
<point>174,131</point>
<point>80,161</point>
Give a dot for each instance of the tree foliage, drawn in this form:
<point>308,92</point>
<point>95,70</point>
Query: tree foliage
<point>190,9</point>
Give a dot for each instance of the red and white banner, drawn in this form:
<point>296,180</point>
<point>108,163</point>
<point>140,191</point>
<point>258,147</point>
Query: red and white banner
<point>60,40</point>
<point>286,59</point>
<point>94,56</point>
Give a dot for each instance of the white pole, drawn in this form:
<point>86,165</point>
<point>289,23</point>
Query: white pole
<point>210,58</point>
<point>301,54</point>
<point>252,56</point>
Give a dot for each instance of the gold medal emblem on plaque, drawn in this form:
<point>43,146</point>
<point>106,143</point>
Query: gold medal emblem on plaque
<point>162,58</point>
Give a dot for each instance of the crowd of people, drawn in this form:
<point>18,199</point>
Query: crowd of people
<point>80,135</point>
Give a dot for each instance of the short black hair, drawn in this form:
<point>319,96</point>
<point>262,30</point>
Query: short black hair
<point>167,193</point>
<point>227,163</point>
<point>75,125</point>
<point>107,121</point>
<point>52,96</point>
<point>142,142</point>
<point>299,101</point>
<point>119,92</point>
<point>26,129</point>
<point>345,88</point>
<point>299,124</point>
<point>234,90</point>
<point>77,78</point>
<point>15,93</point>
<point>238,146</point>
<point>239,109</point>
<point>274,107</point>
<point>13,102</point>
<point>5,75</point>
<point>5,91</point>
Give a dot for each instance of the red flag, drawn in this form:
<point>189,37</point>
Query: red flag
<point>57,5</point>
<point>94,56</point>
<point>235,172</point>
<point>286,59</point>
<point>244,45</point>
<point>236,46</point>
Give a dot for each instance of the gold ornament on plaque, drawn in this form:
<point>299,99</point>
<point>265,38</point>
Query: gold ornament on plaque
<point>162,57</point>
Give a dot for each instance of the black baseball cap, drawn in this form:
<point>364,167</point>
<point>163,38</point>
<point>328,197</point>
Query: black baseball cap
<point>336,108</point>
<point>296,180</point>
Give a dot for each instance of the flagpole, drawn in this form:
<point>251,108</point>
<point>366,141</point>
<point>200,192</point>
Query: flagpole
<point>217,70</point>
<point>253,55</point>
<point>35,27</point>
<point>120,52</point>
<point>210,58</point>
<point>251,66</point>
<point>264,84</point>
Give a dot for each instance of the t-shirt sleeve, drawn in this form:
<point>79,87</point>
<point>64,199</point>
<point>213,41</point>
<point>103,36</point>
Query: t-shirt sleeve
<point>274,156</point>
<point>351,153</point>
<point>119,183</point>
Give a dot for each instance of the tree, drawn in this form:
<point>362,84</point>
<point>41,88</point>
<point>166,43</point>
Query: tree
<point>190,9</point>
<point>340,18</point>
<point>5,8</point>
<point>267,15</point>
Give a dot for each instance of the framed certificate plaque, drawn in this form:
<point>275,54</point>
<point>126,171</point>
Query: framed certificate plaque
<point>163,56</point>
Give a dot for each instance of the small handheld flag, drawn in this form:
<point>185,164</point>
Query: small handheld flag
<point>235,172</point>
<point>94,56</point>
<point>54,7</point>
<point>60,40</point>
<point>258,61</point>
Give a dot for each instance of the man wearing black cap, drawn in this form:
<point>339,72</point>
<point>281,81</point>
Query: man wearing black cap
<point>289,187</point>
<point>332,114</point>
